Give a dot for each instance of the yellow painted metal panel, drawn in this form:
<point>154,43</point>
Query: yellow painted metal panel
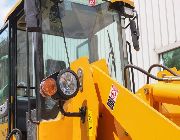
<point>130,2</point>
<point>3,131</point>
<point>166,93</point>
<point>72,128</point>
<point>164,73</point>
<point>140,120</point>
<point>59,128</point>
<point>13,9</point>
<point>102,65</point>
<point>108,127</point>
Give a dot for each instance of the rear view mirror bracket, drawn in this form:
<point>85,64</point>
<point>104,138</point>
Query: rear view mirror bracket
<point>81,113</point>
<point>134,27</point>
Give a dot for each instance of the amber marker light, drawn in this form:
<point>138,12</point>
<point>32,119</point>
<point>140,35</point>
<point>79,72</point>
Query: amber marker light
<point>48,87</point>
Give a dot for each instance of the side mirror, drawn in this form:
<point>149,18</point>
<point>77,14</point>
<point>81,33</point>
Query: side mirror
<point>134,34</point>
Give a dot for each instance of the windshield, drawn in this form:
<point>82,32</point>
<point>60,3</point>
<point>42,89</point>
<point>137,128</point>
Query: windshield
<point>86,31</point>
<point>91,31</point>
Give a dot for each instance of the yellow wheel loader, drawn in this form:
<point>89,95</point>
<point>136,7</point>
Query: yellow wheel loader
<point>66,75</point>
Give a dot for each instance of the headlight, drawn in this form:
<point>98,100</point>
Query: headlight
<point>68,84</point>
<point>48,87</point>
<point>61,85</point>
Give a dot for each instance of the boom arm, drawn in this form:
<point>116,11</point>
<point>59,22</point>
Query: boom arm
<point>113,112</point>
<point>138,119</point>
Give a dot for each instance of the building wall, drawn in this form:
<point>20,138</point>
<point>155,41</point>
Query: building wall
<point>159,22</point>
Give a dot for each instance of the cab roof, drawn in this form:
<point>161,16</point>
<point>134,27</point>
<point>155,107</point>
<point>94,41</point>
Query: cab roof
<point>130,2</point>
<point>13,9</point>
<point>19,2</point>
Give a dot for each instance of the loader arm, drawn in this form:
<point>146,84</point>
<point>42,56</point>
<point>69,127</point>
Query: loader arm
<point>113,112</point>
<point>139,120</point>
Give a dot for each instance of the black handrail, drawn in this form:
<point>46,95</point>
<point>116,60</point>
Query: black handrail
<point>14,132</point>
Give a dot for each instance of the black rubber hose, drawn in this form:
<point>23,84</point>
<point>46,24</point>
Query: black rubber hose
<point>141,70</point>
<point>13,132</point>
<point>132,72</point>
<point>161,66</point>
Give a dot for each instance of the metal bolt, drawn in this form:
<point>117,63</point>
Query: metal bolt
<point>146,91</point>
<point>126,133</point>
<point>80,76</point>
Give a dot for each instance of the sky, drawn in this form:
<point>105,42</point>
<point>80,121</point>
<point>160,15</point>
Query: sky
<point>5,6</point>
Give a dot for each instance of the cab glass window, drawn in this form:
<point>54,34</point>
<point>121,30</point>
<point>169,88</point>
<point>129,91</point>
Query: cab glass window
<point>4,74</point>
<point>22,64</point>
<point>90,31</point>
<point>172,58</point>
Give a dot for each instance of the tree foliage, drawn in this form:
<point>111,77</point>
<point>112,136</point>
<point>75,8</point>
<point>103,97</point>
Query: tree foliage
<point>172,59</point>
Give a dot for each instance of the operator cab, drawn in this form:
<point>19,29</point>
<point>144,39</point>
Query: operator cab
<point>68,31</point>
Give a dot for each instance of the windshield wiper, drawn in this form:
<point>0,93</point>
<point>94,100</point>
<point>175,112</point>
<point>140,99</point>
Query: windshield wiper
<point>111,54</point>
<point>62,29</point>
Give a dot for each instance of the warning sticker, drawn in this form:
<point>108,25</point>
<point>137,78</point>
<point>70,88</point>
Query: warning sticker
<point>92,2</point>
<point>90,123</point>
<point>112,97</point>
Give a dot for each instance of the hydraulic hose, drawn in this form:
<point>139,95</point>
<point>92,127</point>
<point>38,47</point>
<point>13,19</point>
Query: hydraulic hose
<point>161,66</point>
<point>131,62</point>
<point>143,71</point>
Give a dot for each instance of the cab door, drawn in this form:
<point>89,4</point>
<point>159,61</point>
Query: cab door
<point>4,82</point>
